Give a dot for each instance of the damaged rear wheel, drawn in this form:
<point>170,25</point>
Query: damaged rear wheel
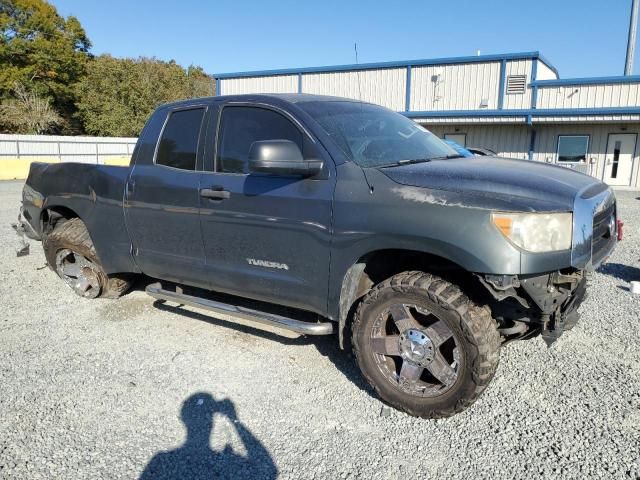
<point>71,254</point>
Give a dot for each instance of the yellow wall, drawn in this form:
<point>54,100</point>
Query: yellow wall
<point>18,168</point>
<point>117,161</point>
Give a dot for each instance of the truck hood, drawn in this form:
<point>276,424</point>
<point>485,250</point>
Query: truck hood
<point>495,182</point>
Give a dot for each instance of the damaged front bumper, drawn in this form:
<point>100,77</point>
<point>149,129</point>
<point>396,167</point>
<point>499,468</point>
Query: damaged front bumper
<point>545,304</point>
<point>23,228</point>
<point>558,296</point>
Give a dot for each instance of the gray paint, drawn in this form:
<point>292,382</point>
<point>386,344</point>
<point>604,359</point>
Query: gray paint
<point>318,227</point>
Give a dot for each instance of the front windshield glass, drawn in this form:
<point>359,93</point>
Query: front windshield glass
<point>373,136</point>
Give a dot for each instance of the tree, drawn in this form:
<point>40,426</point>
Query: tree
<point>116,96</point>
<point>42,51</point>
<point>28,112</point>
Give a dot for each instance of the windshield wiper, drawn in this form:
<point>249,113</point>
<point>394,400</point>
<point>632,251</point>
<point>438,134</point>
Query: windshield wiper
<point>447,157</point>
<point>405,162</point>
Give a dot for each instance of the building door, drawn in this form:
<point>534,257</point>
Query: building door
<point>619,158</point>
<point>459,138</point>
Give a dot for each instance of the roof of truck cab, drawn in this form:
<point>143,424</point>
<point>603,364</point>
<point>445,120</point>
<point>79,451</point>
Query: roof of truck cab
<point>286,97</point>
<point>294,97</point>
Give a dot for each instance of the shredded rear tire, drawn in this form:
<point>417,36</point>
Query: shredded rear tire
<point>72,235</point>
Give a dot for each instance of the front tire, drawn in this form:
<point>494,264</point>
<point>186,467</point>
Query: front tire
<point>71,254</point>
<point>424,346</point>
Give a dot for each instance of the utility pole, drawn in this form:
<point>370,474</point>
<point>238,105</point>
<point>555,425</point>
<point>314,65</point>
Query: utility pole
<point>631,43</point>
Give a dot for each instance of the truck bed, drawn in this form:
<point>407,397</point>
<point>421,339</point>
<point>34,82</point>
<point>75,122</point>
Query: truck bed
<point>95,193</point>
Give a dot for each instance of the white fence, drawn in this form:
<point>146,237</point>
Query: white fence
<point>65,149</point>
<point>18,151</point>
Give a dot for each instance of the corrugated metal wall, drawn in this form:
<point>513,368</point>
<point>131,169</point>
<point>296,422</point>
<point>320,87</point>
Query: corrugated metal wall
<point>545,73</point>
<point>589,118</point>
<point>455,87</point>
<point>385,87</point>
<point>514,140</point>
<point>590,96</point>
<point>470,120</point>
<point>507,140</point>
<point>460,86</point>
<point>518,100</point>
<point>274,84</point>
<point>547,143</point>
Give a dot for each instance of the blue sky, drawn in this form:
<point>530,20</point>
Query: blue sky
<point>580,37</point>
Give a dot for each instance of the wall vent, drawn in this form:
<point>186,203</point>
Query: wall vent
<point>516,83</point>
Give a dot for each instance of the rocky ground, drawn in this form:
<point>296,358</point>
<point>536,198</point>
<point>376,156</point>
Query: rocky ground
<point>129,388</point>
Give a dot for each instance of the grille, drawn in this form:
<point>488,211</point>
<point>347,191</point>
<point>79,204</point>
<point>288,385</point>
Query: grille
<point>604,236</point>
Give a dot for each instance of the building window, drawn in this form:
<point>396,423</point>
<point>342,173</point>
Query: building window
<point>573,148</point>
<point>616,158</point>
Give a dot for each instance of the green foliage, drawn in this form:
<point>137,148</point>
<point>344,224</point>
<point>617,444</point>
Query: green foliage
<point>117,96</point>
<point>48,56</point>
<point>42,51</point>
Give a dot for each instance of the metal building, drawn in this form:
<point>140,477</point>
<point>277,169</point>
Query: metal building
<point>514,104</point>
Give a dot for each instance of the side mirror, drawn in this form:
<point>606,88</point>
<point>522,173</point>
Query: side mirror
<point>281,157</point>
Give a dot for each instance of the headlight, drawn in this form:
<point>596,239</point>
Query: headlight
<point>536,232</point>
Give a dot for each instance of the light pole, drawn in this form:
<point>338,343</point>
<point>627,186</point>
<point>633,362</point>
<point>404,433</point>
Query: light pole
<point>631,43</point>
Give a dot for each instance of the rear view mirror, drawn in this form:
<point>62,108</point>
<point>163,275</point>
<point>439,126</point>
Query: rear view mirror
<point>281,157</point>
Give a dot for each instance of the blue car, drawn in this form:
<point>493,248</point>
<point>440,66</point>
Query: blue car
<point>459,148</point>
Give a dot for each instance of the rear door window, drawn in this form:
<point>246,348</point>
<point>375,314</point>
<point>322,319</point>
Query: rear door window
<point>178,147</point>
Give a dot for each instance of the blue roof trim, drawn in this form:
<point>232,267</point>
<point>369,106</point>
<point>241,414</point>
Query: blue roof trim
<point>553,112</point>
<point>532,144</point>
<point>534,87</point>
<point>586,81</point>
<point>407,90</point>
<point>467,113</point>
<point>379,65</point>
<point>503,76</point>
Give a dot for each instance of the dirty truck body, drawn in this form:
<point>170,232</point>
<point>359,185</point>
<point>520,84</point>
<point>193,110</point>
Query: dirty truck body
<point>324,215</point>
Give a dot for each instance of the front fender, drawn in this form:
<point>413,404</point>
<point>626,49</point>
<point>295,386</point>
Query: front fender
<point>371,213</point>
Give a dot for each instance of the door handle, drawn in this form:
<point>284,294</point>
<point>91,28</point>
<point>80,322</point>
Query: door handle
<point>215,193</point>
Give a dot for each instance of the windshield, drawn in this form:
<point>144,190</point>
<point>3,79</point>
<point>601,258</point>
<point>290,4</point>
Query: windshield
<point>373,136</point>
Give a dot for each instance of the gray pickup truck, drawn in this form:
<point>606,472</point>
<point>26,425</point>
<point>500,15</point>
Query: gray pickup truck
<point>325,215</point>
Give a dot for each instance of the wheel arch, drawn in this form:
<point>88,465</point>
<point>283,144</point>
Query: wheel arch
<point>376,266</point>
<point>52,214</point>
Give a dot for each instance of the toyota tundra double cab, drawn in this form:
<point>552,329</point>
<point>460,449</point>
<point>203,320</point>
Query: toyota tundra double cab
<point>325,215</point>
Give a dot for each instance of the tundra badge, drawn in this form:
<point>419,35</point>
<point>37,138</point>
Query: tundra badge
<point>268,264</point>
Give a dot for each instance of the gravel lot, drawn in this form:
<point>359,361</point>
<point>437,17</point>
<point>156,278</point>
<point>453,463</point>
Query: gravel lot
<point>126,389</point>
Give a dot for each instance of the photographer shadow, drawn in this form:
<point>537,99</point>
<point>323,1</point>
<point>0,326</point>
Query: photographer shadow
<point>195,459</point>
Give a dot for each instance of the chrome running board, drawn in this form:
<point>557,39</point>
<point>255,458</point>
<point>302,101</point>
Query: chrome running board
<point>305,328</point>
